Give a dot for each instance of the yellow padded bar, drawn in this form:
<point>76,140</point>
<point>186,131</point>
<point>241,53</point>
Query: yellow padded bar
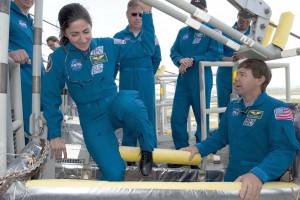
<point>161,156</point>
<point>268,35</point>
<point>283,30</point>
<point>233,76</point>
<point>161,70</point>
<point>151,185</point>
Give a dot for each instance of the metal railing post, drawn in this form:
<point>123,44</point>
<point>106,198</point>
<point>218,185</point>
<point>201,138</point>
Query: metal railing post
<point>4,36</point>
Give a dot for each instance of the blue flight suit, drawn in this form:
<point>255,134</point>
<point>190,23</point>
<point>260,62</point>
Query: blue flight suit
<point>261,138</point>
<point>90,80</point>
<point>21,37</point>
<point>138,74</point>
<point>191,43</point>
<point>224,75</point>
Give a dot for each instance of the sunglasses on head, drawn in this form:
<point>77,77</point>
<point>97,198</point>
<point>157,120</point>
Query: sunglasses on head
<point>135,14</point>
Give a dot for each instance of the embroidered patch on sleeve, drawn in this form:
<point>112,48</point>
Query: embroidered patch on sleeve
<point>283,114</point>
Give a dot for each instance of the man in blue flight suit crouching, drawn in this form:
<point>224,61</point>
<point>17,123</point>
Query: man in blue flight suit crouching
<point>259,130</point>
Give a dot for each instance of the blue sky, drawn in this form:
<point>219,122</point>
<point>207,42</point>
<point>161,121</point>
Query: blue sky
<point>109,17</point>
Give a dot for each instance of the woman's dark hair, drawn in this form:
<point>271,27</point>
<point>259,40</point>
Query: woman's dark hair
<point>68,14</point>
<point>259,69</point>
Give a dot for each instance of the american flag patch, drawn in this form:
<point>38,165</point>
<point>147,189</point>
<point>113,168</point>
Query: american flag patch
<point>283,114</point>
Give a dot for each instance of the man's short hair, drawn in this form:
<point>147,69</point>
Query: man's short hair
<point>245,14</point>
<point>258,68</point>
<point>132,3</point>
<point>52,38</point>
<point>199,4</point>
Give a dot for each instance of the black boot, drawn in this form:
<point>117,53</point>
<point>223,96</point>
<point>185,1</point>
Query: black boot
<point>169,165</point>
<point>195,167</point>
<point>130,164</point>
<point>146,163</point>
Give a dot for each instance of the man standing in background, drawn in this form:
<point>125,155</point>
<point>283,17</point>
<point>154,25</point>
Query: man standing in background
<point>21,51</point>
<point>138,74</point>
<point>224,74</point>
<point>189,48</point>
<point>53,43</point>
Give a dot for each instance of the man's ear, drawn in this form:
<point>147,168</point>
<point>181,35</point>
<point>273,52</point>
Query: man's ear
<point>261,80</point>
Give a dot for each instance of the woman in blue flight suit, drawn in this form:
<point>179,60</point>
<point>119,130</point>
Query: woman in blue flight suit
<point>87,66</point>
<point>191,46</point>
<point>138,73</point>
